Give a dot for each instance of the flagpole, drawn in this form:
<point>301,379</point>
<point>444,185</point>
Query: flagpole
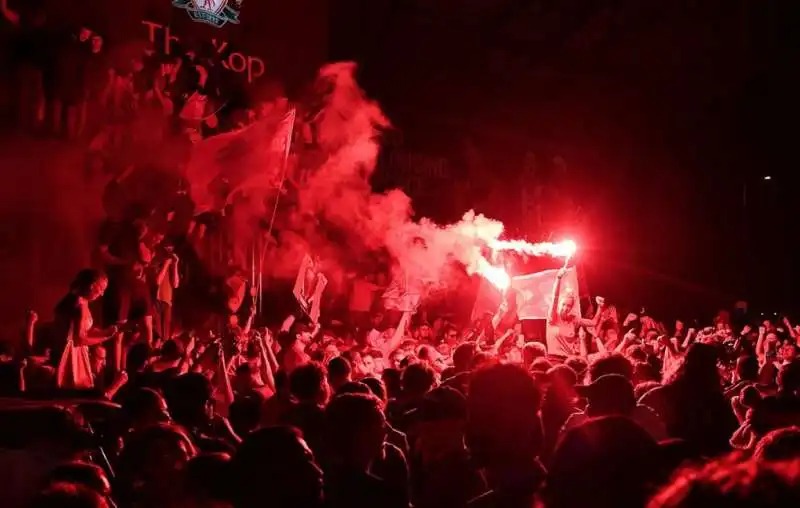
<point>289,138</point>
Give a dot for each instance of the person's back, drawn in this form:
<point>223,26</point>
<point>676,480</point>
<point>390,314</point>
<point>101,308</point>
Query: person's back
<point>692,404</point>
<point>355,434</point>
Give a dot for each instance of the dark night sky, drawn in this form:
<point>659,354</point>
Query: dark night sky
<point>665,110</point>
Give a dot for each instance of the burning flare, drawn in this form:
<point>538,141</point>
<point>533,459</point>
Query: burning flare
<point>494,274</point>
<point>498,276</point>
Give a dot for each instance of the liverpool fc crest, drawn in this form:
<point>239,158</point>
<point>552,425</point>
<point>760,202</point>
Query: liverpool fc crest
<point>212,12</point>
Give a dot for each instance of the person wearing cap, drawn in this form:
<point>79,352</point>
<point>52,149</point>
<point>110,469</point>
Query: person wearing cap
<point>442,474</point>
<point>612,395</point>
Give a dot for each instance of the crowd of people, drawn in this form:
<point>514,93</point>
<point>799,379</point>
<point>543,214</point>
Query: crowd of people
<point>387,408</point>
<point>209,406</point>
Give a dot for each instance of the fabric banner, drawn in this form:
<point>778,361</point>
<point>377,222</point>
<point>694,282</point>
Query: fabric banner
<point>398,297</point>
<point>253,157</point>
<point>316,298</point>
<point>306,282</point>
<point>488,300</point>
<point>535,292</point>
<point>308,288</point>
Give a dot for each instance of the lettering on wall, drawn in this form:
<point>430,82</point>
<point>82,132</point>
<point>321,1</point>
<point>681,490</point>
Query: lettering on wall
<point>417,171</point>
<point>251,66</point>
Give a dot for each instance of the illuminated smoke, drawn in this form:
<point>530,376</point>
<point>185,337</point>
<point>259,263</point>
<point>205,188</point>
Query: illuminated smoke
<point>340,193</point>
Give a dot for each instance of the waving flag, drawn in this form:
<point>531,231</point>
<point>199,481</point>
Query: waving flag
<point>398,297</point>
<point>253,157</point>
<point>535,292</point>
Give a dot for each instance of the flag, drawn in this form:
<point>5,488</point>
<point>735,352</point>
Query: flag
<point>305,283</point>
<point>316,298</point>
<point>487,301</point>
<point>253,157</point>
<point>398,297</point>
<point>535,292</point>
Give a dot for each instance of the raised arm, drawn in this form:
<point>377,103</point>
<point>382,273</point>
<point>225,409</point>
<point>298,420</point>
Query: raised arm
<point>761,353</point>
<point>553,318</point>
<point>399,333</point>
<point>266,365</point>
<point>93,336</point>
<point>30,329</point>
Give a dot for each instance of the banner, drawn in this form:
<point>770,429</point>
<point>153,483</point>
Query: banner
<point>535,292</point>
<point>487,301</point>
<point>308,288</point>
<point>247,158</point>
<point>398,297</point>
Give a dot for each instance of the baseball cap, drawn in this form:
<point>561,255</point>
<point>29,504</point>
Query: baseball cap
<point>611,393</point>
<point>443,403</point>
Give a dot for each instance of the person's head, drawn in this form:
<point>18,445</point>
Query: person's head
<point>608,395</point>
<point>582,333</point>
<point>69,495</point>
<point>392,379</point>
<point>542,365</point>
<point>84,474</point>
<point>636,353</point>
<point>356,429</point>
<point>450,335</point>
<point>562,379</point>
<point>698,371</point>
<point>309,383</point>
<point>779,445</point>
<point>612,363</point>
<point>89,284</point>
<point>417,379</point>
<point>730,482</point>
<point>208,480</point>
<point>789,377</point>
<point>171,350</point>
<point>609,333</point>
<point>376,320</point>
<point>566,306</point>
<point>425,332</point>
<point>137,357</point>
<point>339,372</point>
<point>462,356</point>
<point>747,368</point>
<point>607,462</point>
<point>377,388</point>
<point>143,407</point>
<point>503,424</point>
<point>642,388</point>
<point>189,399</point>
<point>276,462</point>
<point>245,412</point>
<point>354,387</point>
<point>442,418</point>
<point>531,351</point>
<point>787,350</point>
<point>156,456</point>
<point>99,360</point>
<point>579,365</point>
<point>96,43</point>
<point>645,371</point>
